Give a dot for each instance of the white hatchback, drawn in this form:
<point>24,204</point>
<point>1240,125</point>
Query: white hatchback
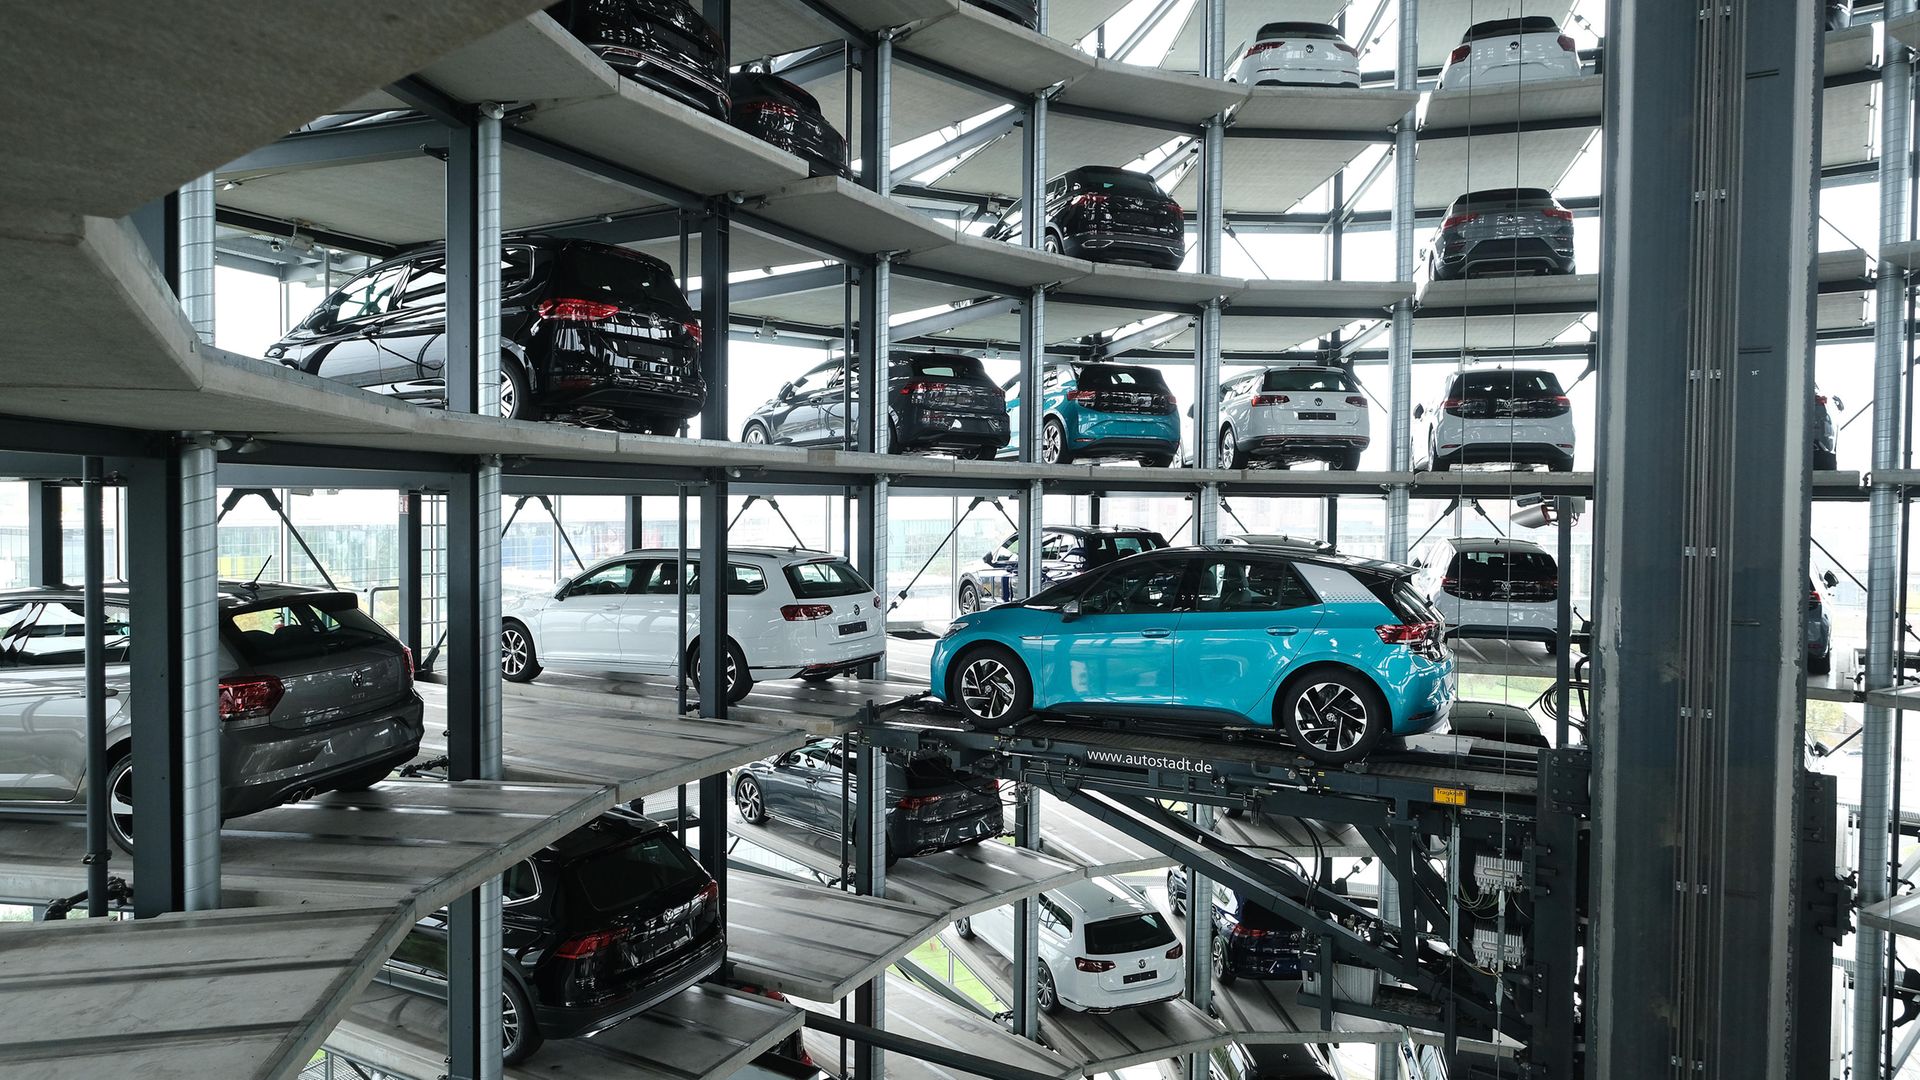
<point>1507,51</point>
<point>1291,414</point>
<point>1492,587</point>
<point>1102,947</point>
<point>1299,54</point>
<point>790,613</point>
<point>1491,415</point>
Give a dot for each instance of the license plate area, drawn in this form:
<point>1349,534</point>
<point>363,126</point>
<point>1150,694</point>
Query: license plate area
<point>852,628</point>
<point>1140,977</point>
<point>1315,416</point>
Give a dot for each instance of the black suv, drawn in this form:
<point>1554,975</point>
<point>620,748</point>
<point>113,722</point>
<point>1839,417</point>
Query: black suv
<point>1107,214</point>
<point>778,112</point>
<point>1502,231</point>
<point>588,332</point>
<point>930,807</point>
<point>1065,550</point>
<point>606,922</point>
<point>664,45</point>
<point>1822,434</point>
<point>1249,941</point>
<point>935,402</point>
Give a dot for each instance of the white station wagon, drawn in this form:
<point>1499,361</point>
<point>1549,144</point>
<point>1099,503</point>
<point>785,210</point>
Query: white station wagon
<point>790,613</point>
<point>1102,947</point>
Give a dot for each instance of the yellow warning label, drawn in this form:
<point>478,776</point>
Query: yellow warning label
<point>1450,796</point>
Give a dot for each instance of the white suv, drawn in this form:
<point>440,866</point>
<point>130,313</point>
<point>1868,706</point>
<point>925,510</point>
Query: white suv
<point>1500,415</point>
<point>1507,51</point>
<point>790,612</point>
<point>1290,414</point>
<point>1299,54</point>
<point>1102,947</point>
<point>1492,587</point>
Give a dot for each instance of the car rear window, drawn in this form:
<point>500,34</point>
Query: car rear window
<point>619,878</point>
<point>1121,545</point>
<point>1531,24</point>
<point>1261,918</point>
<point>1310,30</point>
<point>1400,597</point>
<point>1493,385</point>
<point>920,773</point>
<point>1310,380</point>
<point>948,367</point>
<point>1503,199</point>
<point>1477,567</point>
<point>1118,377</point>
<point>629,278</point>
<point>1118,180</point>
<point>300,627</point>
<point>1128,933</point>
<point>825,577</point>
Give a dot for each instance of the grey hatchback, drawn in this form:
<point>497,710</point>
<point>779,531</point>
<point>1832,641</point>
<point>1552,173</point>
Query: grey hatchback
<point>314,696</point>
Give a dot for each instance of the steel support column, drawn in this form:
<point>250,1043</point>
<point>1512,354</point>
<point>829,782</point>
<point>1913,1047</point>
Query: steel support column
<point>876,115</point>
<point>199,572</point>
<point>473,264</point>
<point>94,612</point>
<point>872,433</point>
<point>155,650</point>
<point>195,285</point>
<point>716,253</point>
<point>1026,914</point>
<point>1406,76</point>
<point>412,583</point>
<point>870,879</point>
<point>1883,554</point>
<point>1706,322</point>
<point>45,550</point>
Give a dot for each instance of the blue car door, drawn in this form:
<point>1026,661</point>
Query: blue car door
<point>1247,621</point>
<point>1119,649</point>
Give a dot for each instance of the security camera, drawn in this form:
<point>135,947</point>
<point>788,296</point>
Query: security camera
<point>276,244</point>
<point>1536,510</point>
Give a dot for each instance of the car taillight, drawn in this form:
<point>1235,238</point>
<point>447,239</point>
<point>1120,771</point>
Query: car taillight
<point>1087,199</point>
<point>1270,399</point>
<point>921,390</point>
<point>1084,397</point>
<point>1087,964</point>
<point>408,653</point>
<point>1567,44</point>
<point>693,331</point>
<point>876,601</point>
<point>1813,597</point>
<point>1560,404</point>
<point>771,108</point>
<point>1177,951</point>
<point>1346,48</point>
<point>579,948</point>
<point>1264,46</point>
<point>710,894</point>
<point>249,697</point>
<point>1357,401</point>
<point>915,802</point>
<point>1453,404</point>
<point>1174,209</point>
<point>804,612</point>
<point>1449,582</point>
<point>1245,931</point>
<point>1460,54</point>
<point>1405,633</point>
<point>1458,220</point>
<point>1558,213</point>
<point>1820,400</point>
<point>574,309</point>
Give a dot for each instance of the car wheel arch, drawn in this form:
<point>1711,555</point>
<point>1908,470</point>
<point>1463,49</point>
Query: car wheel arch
<point>1307,668</point>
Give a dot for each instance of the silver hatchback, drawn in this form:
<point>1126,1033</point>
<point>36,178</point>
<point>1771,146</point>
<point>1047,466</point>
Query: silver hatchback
<point>314,696</point>
<point>1290,414</point>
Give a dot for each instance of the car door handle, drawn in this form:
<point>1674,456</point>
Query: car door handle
<point>1155,631</point>
<point>1283,631</point>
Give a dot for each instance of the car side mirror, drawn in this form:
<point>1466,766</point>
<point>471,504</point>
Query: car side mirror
<point>786,391</point>
<point>561,592</point>
<point>1070,609</point>
<point>1419,411</point>
<point>1838,405</point>
<point>1830,579</point>
<point>1421,563</point>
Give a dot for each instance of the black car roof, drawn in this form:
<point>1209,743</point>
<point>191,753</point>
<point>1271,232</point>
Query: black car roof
<point>232,593</point>
<point>614,828</point>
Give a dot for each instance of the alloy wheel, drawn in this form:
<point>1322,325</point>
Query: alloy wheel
<point>1043,996</point>
<point>1331,717</point>
<point>1228,450</point>
<point>755,436</point>
<point>509,397</point>
<point>969,600</point>
<point>1219,957</point>
<point>1053,441</point>
<point>987,688</point>
<point>513,652</point>
<point>509,1023</point>
<point>120,802</point>
<point>747,797</point>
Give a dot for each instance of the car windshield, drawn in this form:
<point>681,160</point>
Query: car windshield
<point>608,273</point>
<point>1129,933</point>
<point>1119,181</point>
<point>622,877</point>
<point>1309,380</point>
<point>300,627</point>
<point>825,577</point>
<point>1493,385</point>
<point>1116,377</point>
<point>1121,545</point>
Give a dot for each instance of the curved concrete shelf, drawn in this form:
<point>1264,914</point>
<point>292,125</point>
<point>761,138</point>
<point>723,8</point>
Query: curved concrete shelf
<point>814,942</point>
<point>918,1012</point>
<point>1459,113</point>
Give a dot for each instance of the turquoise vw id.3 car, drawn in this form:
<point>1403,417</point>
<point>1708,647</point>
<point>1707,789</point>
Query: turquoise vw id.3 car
<point>1336,651</point>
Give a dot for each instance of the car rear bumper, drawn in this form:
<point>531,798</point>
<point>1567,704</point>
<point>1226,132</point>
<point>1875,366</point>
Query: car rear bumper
<point>908,837</point>
<point>1302,445</point>
<point>1275,964</point>
<point>1517,453</point>
<point>1123,247</point>
<point>1105,1001</point>
<point>1301,73</point>
<point>562,1022</point>
<point>701,90</point>
<point>266,766</point>
<point>944,429</point>
<point>1517,255</point>
<point>577,378</point>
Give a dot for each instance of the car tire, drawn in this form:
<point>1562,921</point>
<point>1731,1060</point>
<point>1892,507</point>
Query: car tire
<point>520,1036</point>
<point>516,392</point>
<point>1053,442</point>
<point>1230,455</point>
<point>120,799</point>
<point>1222,972</point>
<point>1175,903</point>
<point>518,662</point>
<point>997,681</point>
<point>1349,461</point>
<point>1820,665</point>
<point>750,800</point>
<point>969,601</point>
<point>1047,995</point>
<point>1156,461</point>
<point>1051,243</point>
<point>963,928</point>
<point>1560,466</point>
<point>755,434</point>
<point>663,427</point>
<point>739,679</point>
<point>1335,715</point>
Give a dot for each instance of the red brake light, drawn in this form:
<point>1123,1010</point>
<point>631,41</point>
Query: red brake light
<point>1243,930</point>
<point>1177,951</point>
<point>710,894</point>
<point>1087,199</point>
<point>1460,54</point>
<point>408,653</point>
<point>1458,220</point>
<point>1820,400</point>
<point>1085,964</point>
<point>1567,44</point>
<point>1449,582</point>
<point>1357,401</point>
<point>1262,46</point>
<point>915,802</point>
<point>1270,399</point>
<point>1452,403</point>
<point>249,697</point>
<point>1174,209</point>
<point>573,309</point>
<point>1813,597</point>
<point>876,601</point>
<point>1405,634</point>
<point>586,945</point>
<point>773,107</point>
<point>1559,213</point>
<point>1084,397</point>
<point>922,389</point>
<point>693,331</point>
<point>804,612</point>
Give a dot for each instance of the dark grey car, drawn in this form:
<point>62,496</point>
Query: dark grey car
<point>930,807</point>
<point>1503,231</point>
<point>314,697</point>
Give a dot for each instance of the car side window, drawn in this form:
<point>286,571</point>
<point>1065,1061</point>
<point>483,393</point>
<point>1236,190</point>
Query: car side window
<point>369,296</point>
<point>1249,585</point>
<point>612,580</point>
<point>1054,377</point>
<point>426,287</point>
<point>520,883</point>
<point>1055,917</point>
<point>1147,589</point>
<point>53,634</point>
<point>1055,546</point>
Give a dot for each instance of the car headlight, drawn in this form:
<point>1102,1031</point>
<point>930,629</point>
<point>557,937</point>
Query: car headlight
<point>953,628</point>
